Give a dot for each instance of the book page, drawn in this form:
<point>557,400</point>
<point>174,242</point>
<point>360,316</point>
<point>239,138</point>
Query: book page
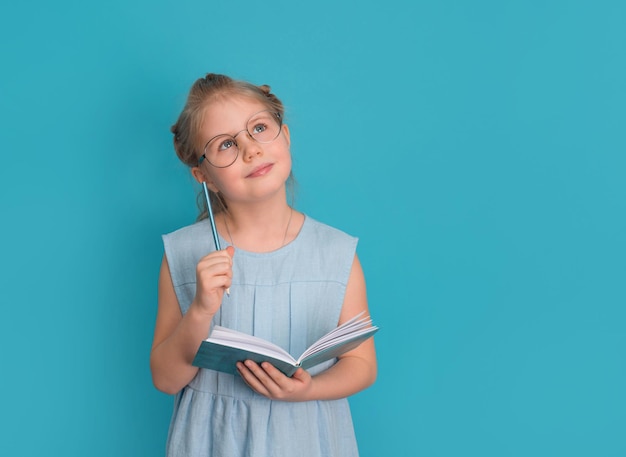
<point>232,338</point>
<point>349,330</point>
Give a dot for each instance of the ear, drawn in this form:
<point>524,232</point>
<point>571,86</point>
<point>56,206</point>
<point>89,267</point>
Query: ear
<point>201,177</point>
<point>286,133</point>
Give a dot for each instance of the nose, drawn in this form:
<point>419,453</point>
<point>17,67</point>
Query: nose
<point>248,146</point>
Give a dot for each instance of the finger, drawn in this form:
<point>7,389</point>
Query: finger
<point>212,280</point>
<point>251,380</point>
<point>261,373</point>
<point>230,250</point>
<point>214,277</point>
<point>217,257</point>
<point>301,375</point>
<point>216,263</point>
<point>277,376</point>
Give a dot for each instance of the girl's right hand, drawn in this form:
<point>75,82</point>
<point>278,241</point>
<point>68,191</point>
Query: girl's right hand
<point>214,274</point>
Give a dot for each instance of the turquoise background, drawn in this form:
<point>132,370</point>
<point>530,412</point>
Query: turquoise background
<point>476,148</point>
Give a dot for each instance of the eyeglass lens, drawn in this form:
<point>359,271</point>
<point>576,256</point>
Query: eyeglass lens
<point>222,150</point>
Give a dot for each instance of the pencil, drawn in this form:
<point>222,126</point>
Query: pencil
<point>216,238</point>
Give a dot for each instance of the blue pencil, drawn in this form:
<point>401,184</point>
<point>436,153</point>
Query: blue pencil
<point>216,238</point>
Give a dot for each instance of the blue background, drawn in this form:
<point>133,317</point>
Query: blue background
<point>476,148</point>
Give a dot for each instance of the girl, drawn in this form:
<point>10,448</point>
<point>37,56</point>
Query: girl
<point>291,279</point>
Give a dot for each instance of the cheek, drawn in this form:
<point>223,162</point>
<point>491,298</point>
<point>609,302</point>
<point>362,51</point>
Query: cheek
<point>283,148</point>
<point>219,179</point>
<point>224,179</point>
<point>284,155</point>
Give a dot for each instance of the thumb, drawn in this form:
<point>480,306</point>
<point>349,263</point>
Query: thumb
<point>301,374</point>
<point>231,251</point>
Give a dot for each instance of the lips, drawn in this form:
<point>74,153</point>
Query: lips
<point>261,170</point>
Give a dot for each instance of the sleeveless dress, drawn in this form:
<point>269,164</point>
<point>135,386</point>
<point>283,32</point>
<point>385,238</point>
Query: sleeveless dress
<point>291,296</point>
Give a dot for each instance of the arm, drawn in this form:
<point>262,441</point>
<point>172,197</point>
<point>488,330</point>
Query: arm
<point>177,337</point>
<point>354,371</point>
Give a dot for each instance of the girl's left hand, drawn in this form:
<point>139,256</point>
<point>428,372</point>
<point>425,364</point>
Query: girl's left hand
<point>268,381</point>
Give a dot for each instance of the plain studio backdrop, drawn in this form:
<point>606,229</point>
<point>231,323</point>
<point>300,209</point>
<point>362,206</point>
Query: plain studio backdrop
<point>477,149</point>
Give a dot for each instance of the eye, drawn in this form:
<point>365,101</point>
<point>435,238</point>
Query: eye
<point>226,144</point>
<point>259,128</point>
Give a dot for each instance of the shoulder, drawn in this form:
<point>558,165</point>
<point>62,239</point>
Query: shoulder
<point>188,244</point>
<point>188,235</point>
<point>326,237</point>
<point>322,229</point>
<point>187,231</point>
<point>324,253</point>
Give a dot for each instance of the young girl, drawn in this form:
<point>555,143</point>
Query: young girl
<point>290,280</point>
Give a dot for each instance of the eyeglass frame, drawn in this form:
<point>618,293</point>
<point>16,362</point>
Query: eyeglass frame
<point>276,114</point>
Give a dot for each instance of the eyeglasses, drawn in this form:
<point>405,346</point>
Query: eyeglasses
<point>221,151</point>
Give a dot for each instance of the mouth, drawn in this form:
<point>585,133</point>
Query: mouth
<point>260,170</point>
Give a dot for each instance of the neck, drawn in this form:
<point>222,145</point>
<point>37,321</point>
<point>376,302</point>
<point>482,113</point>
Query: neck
<point>259,227</point>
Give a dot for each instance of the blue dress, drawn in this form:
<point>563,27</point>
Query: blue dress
<point>291,297</point>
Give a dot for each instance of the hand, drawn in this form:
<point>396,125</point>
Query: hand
<point>214,274</point>
<point>267,380</point>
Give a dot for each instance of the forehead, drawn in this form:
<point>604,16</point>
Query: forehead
<point>228,115</point>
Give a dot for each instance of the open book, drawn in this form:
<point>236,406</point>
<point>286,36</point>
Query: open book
<point>225,347</point>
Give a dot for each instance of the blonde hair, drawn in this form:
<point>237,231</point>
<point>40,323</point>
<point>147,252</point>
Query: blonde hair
<point>205,90</point>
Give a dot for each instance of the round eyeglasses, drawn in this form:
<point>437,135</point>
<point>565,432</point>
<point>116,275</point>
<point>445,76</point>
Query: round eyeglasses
<point>221,151</point>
